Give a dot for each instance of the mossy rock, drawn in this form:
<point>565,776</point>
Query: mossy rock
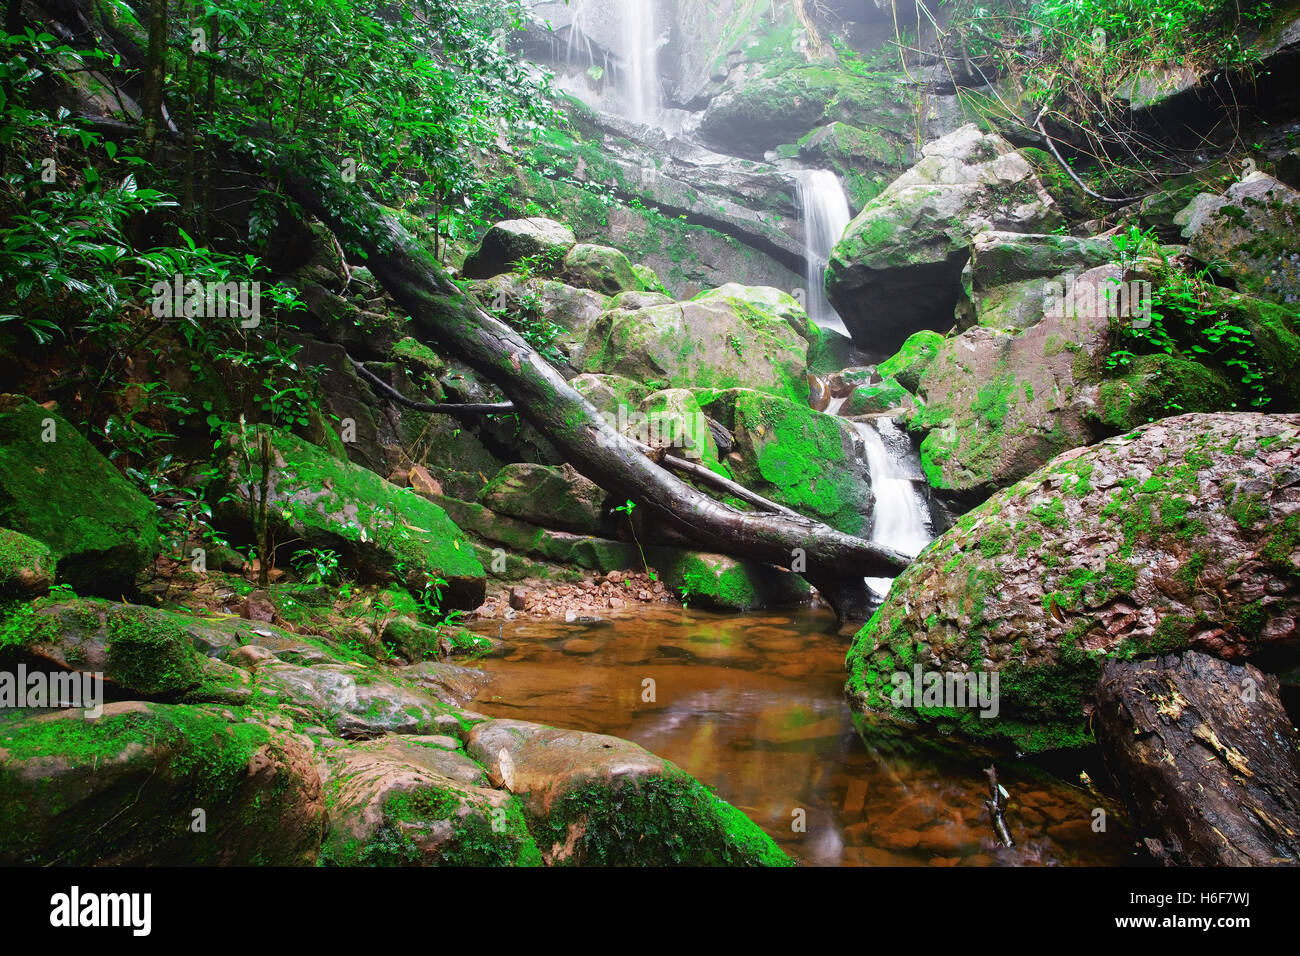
<point>508,243</point>
<point>55,487</point>
<point>714,343</point>
<point>602,269</point>
<point>553,497</point>
<point>908,364</point>
<point>26,566</point>
<point>595,800</point>
<point>723,583</point>
<point>126,789</point>
<point>384,532</point>
<point>793,455</point>
<point>420,801</point>
<point>1176,535</point>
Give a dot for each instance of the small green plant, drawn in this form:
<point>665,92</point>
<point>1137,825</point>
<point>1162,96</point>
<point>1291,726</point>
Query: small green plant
<point>627,509</point>
<point>317,565</point>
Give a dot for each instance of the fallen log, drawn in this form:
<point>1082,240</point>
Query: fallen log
<point>442,314</point>
<point>1205,757</point>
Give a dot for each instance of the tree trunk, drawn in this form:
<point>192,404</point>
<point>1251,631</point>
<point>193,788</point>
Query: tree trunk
<point>1206,758</point>
<point>834,562</point>
<point>155,75</point>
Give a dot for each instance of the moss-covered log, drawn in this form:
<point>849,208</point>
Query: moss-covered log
<point>442,314</point>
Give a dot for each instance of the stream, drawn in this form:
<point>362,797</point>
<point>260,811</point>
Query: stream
<point>752,705</point>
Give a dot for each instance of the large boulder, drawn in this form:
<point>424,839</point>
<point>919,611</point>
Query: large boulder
<point>1182,534</point>
<point>715,343</point>
<point>597,800</point>
<point>1248,233</point>
<point>545,306</point>
<point>554,497</point>
<point>382,531</point>
<point>55,487</point>
<point>158,785</point>
<point>508,243</point>
<point>898,267</point>
<point>796,456</point>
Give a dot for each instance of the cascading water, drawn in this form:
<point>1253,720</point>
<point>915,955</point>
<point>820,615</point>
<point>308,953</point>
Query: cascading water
<point>640,55</point>
<point>825,216</point>
<point>901,516</point>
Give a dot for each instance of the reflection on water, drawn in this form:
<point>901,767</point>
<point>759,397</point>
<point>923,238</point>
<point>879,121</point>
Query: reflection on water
<point>753,706</point>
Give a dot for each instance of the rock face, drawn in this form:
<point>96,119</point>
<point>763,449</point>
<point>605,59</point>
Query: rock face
<point>1249,234</point>
<point>704,344</point>
<point>55,487</point>
<point>597,800</point>
<point>122,789</point>
<point>554,497</point>
<point>509,242</point>
<point>1206,757</point>
<point>897,270</point>
<point>384,532</point>
<point>1182,534</point>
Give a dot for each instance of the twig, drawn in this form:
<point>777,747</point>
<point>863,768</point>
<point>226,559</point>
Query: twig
<point>997,804</point>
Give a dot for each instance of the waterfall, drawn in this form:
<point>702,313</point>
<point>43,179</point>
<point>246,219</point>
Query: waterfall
<point>641,62</point>
<point>901,516</point>
<point>825,216</point>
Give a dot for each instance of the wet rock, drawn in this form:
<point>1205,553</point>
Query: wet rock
<point>898,268</point>
<point>593,799</point>
<point>450,683</point>
<point>1182,534</point>
<point>127,793</point>
<point>56,488</point>
<point>600,268</point>
<point>727,584</point>
<point>519,598</point>
<point>383,532</point>
<point>1248,234</point>
<point>403,802</point>
<point>506,243</point>
<point>555,497</point>
<point>712,343</point>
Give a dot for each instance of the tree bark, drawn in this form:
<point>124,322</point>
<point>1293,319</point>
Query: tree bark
<point>1206,758</point>
<point>834,562</point>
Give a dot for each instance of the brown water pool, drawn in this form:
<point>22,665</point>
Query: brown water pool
<point>753,706</point>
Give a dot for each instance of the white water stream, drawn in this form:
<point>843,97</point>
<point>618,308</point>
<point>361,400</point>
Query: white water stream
<point>825,216</point>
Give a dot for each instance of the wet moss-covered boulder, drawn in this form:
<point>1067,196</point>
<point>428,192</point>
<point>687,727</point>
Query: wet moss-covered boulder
<point>156,784</point>
<point>602,269</point>
<point>716,343</point>
<point>672,419</point>
<point>506,244</point>
<point>724,583</point>
<point>1249,235</point>
<point>26,565</point>
<point>420,801</point>
<point>382,531</point>
<point>55,487</point>
<point>1181,534</point>
<point>596,800</point>
<point>554,497</point>
<point>897,269</point>
<point>907,364</point>
<point>796,456</point>
<point>139,650</point>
